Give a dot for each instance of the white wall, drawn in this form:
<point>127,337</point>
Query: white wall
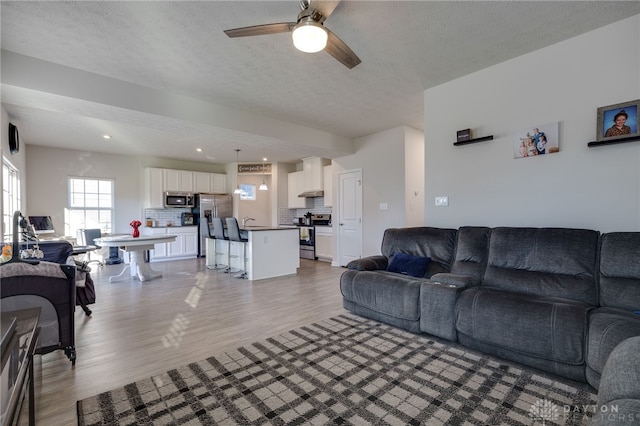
<point>18,160</point>
<point>49,169</point>
<point>595,188</point>
<point>414,177</point>
<point>381,157</point>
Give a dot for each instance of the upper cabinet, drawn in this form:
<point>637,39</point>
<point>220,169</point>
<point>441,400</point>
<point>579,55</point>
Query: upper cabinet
<point>295,183</point>
<point>178,180</point>
<point>209,183</point>
<point>153,188</point>
<point>158,181</point>
<point>313,169</point>
<point>328,186</point>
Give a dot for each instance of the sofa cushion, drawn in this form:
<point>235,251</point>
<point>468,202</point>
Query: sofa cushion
<point>607,328</point>
<point>620,270</point>
<point>553,262</point>
<point>472,248</point>
<point>388,293</point>
<point>547,328</point>
<point>435,243</point>
<point>406,264</point>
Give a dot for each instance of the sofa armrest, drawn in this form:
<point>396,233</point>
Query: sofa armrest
<point>371,263</point>
<point>619,391</point>
<point>457,280</point>
<point>437,306</point>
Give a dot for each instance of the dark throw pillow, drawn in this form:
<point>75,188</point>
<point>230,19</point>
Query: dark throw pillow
<point>415,266</point>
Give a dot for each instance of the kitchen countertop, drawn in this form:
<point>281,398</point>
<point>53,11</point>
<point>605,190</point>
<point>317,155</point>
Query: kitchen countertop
<point>172,226</point>
<point>267,228</point>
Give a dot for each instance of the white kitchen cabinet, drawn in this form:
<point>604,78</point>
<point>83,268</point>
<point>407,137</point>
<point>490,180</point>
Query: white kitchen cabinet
<point>324,243</point>
<point>328,186</point>
<point>178,180</point>
<point>185,245</point>
<point>313,169</point>
<point>202,183</point>
<point>209,183</point>
<point>154,187</point>
<point>218,183</point>
<point>295,184</point>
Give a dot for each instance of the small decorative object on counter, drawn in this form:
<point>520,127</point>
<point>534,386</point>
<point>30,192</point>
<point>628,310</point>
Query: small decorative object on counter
<point>135,224</point>
<point>149,222</point>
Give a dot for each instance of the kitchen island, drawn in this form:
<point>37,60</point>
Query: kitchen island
<point>271,252</point>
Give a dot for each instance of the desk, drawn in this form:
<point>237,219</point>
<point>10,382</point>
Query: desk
<point>136,248</point>
<point>19,335</point>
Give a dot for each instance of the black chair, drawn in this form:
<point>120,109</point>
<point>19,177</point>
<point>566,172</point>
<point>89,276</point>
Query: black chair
<point>233,232</point>
<point>218,234</point>
<point>87,238</point>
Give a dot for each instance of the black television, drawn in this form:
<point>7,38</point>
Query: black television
<point>42,224</point>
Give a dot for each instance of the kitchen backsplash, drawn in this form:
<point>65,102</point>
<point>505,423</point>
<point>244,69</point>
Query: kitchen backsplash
<point>286,216</point>
<point>164,216</point>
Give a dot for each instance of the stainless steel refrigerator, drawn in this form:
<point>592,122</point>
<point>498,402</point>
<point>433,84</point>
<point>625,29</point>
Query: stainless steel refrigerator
<point>206,207</point>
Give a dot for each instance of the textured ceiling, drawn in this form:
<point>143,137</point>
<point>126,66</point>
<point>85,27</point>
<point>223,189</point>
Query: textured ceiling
<point>163,78</point>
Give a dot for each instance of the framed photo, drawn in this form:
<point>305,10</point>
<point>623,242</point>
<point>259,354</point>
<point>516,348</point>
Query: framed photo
<point>618,121</point>
<point>536,140</point>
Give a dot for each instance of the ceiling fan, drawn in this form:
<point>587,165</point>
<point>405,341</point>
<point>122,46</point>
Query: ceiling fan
<point>308,32</point>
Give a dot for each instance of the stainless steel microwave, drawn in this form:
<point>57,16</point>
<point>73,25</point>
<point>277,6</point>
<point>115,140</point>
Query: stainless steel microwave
<point>178,199</point>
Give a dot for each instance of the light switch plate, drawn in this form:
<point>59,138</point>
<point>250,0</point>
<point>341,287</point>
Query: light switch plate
<point>442,201</point>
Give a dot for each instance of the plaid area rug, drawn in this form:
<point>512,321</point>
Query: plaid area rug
<point>345,370</point>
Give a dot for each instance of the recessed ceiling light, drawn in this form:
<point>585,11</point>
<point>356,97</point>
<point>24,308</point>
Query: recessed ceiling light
<point>106,136</point>
<point>199,149</point>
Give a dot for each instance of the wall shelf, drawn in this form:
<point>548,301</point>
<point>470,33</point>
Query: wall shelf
<point>475,140</point>
<point>621,140</point>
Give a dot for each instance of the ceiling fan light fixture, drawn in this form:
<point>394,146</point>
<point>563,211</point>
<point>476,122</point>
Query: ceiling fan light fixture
<point>309,36</point>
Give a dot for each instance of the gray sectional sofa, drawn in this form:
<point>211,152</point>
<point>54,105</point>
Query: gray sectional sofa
<point>556,299</point>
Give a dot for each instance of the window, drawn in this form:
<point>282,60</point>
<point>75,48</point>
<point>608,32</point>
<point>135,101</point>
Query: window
<point>10,196</point>
<point>248,192</point>
<point>90,205</point>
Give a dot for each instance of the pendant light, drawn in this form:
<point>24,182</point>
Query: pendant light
<point>263,186</point>
<point>237,191</point>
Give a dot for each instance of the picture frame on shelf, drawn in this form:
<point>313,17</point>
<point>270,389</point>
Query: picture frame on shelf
<point>618,121</point>
<point>536,140</point>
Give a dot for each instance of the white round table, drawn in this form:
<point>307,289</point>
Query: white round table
<point>136,248</point>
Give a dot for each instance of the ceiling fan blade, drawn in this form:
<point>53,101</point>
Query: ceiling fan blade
<point>339,50</point>
<point>326,7</point>
<point>256,30</point>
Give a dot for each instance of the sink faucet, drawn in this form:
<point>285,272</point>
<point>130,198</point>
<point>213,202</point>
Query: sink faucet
<point>245,220</point>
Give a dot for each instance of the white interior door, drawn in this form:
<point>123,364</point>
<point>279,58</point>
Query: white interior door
<point>350,217</point>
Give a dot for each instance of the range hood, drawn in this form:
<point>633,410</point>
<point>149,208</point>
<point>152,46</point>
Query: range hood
<point>312,194</point>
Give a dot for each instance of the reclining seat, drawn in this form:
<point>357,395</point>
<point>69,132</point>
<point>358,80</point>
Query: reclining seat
<point>533,304</point>
<point>618,318</point>
<point>368,289</point>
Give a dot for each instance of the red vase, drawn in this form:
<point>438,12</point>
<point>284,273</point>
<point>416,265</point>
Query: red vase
<point>136,233</point>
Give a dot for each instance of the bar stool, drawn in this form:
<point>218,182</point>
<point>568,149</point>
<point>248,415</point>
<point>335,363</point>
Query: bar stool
<point>218,234</point>
<point>233,232</point>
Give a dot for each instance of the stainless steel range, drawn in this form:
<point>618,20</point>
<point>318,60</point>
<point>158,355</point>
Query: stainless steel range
<point>308,235</point>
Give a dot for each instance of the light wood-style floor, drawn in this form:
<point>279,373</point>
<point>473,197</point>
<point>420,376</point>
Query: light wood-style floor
<point>141,329</point>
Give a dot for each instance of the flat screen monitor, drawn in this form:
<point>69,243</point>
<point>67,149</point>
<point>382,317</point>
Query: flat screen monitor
<point>42,224</point>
